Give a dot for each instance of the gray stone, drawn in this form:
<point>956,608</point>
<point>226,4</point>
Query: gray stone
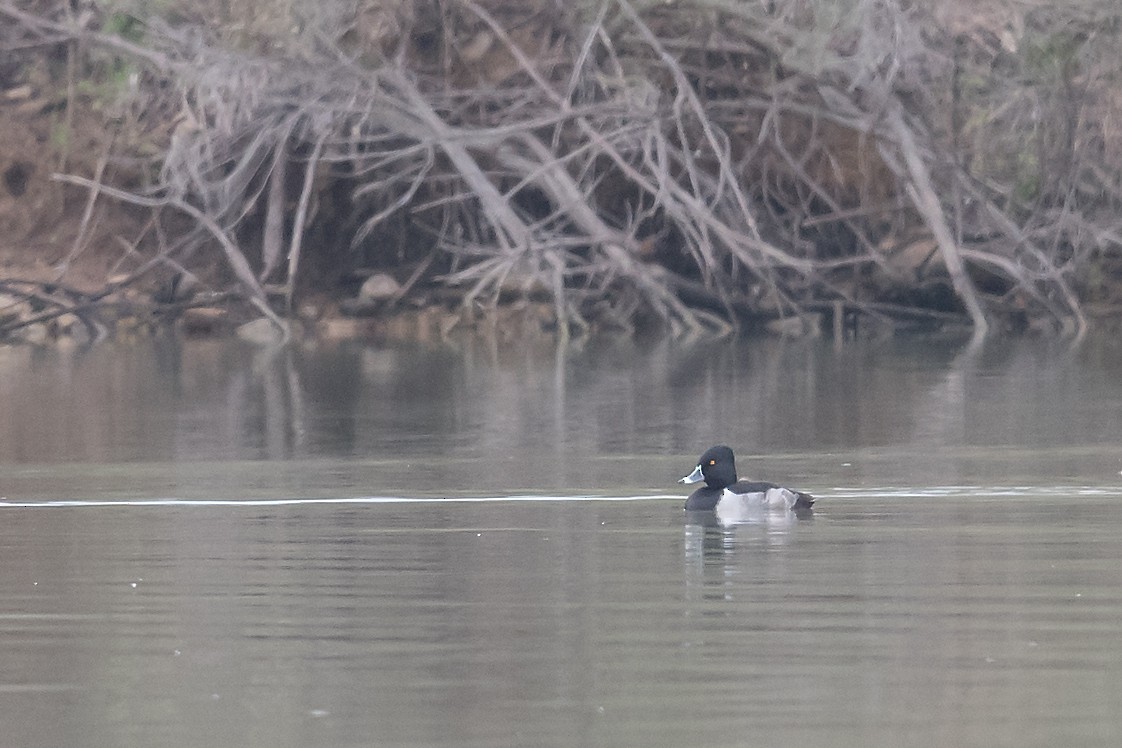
<point>261,331</point>
<point>379,287</point>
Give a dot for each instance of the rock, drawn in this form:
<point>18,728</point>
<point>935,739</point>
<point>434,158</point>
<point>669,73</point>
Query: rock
<point>807,325</point>
<point>12,308</point>
<point>359,307</point>
<point>35,333</point>
<point>203,320</point>
<point>341,328</point>
<point>379,287</point>
<point>309,311</point>
<point>65,324</point>
<point>72,337</point>
<point>261,331</point>
<point>524,285</point>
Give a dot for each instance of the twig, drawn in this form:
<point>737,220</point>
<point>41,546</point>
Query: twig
<point>233,255</point>
<point>83,228</point>
<point>272,236</point>
<point>927,202</point>
<point>298,223</point>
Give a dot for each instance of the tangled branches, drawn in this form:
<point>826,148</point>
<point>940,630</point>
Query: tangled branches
<point>704,163</point>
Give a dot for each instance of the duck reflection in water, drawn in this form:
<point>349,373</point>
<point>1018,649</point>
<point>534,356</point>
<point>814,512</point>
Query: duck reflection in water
<point>734,501</point>
<point>718,558</point>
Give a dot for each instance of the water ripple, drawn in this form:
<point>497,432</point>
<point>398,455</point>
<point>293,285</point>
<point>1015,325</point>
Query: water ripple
<point>177,502</point>
<point>841,493</point>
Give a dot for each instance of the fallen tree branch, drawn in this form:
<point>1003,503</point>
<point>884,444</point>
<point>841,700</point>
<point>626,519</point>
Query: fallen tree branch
<point>234,256</point>
<point>927,203</point>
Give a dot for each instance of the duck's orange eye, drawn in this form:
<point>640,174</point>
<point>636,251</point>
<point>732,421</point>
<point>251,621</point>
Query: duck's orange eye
<point>712,462</point>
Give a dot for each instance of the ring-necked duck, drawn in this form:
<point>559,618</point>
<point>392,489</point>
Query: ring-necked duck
<point>717,468</point>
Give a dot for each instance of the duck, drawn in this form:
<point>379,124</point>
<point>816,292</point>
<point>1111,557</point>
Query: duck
<point>717,467</point>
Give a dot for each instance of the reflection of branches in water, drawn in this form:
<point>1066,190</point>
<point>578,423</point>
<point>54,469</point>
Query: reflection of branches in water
<point>770,163</point>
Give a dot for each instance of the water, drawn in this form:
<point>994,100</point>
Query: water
<point>208,545</point>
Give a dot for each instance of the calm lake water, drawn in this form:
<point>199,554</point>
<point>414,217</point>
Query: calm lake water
<point>207,544</point>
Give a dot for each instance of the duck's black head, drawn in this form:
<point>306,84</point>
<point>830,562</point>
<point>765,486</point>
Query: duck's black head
<point>716,466</point>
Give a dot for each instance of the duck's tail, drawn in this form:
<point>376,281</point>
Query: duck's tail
<point>803,501</point>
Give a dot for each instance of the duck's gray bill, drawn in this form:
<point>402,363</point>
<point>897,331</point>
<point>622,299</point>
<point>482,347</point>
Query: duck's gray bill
<point>693,477</point>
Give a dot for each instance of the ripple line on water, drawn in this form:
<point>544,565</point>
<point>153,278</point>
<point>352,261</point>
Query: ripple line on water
<point>826,496</point>
<point>177,502</point>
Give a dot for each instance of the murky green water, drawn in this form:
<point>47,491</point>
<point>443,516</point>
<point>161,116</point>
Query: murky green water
<point>208,545</point>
